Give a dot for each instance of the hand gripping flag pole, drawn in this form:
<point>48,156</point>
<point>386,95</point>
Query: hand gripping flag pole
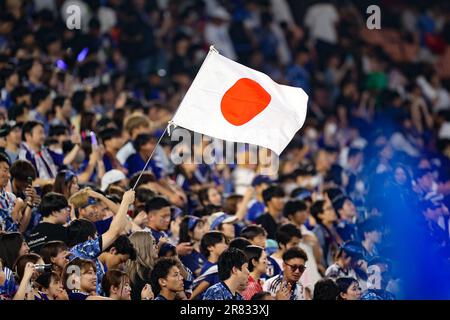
<point>167,129</point>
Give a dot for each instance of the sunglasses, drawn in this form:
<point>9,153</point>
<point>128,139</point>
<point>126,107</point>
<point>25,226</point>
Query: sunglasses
<point>300,268</point>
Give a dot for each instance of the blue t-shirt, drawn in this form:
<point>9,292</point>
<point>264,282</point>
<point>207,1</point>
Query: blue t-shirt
<point>91,250</point>
<point>220,291</point>
<point>193,261</point>
<point>255,210</point>
<point>8,288</point>
<point>160,298</point>
<point>135,163</point>
<point>103,225</point>
<point>209,274</point>
<point>77,295</point>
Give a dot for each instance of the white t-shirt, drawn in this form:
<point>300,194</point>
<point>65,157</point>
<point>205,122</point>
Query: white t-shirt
<point>273,286</point>
<point>320,19</point>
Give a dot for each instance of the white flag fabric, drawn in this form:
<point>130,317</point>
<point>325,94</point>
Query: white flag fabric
<point>232,102</point>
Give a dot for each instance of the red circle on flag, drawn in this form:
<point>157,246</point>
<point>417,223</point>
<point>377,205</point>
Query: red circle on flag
<point>244,101</point>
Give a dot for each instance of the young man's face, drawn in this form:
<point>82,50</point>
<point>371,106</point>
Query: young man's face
<point>90,212</point>
<point>348,210</point>
<point>4,174</point>
<point>293,269</point>
<point>62,215</point>
<point>116,260</point>
<point>374,236</point>
<point>148,148</point>
<point>242,275</point>
<point>277,203</point>
<point>159,219</point>
<point>37,136</point>
<point>174,280</point>
<point>15,136</point>
<point>328,214</point>
<point>299,217</point>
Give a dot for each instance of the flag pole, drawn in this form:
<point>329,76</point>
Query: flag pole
<point>167,129</point>
<point>151,155</point>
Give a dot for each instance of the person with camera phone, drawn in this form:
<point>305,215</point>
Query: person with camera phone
<point>29,268</point>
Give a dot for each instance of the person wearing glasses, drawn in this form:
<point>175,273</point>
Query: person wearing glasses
<point>288,284</point>
<point>55,211</point>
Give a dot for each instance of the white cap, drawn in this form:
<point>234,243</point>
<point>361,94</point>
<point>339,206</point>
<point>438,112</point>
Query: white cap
<point>221,217</point>
<point>110,177</point>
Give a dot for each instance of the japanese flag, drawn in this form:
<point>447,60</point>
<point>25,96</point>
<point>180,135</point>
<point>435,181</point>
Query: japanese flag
<point>232,102</point>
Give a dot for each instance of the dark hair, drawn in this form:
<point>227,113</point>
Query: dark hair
<point>252,231</point>
<point>253,253</point>
<point>113,278</point>
<point>79,231</point>
<point>16,111</point>
<point>187,224</point>
<point>123,245</point>
<point>144,194</point>
<point>338,204</point>
<point>45,279</point>
<point>10,244</point>
<point>294,253</point>
<point>316,209</point>
<point>62,181</point>
<point>325,289</point>
<point>141,140</point>
<point>51,202</point>
<point>286,232</point>
<point>239,243</point>
<point>38,96</point>
<point>369,225</point>
<point>29,126</point>
<point>145,178</point>
<point>343,284</point>
<point>230,204</point>
<point>260,295</point>
<point>51,249</point>
<point>293,206</point>
<point>59,101</point>
<point>353,152</point>
<point>4,158</point>
<point>57,130</point>
<point>78,98</point>
<point>19,265</point>
<point>19,91</point>
<point>109,133</point>
<point>161,270</point>
<point>87,117</point>
<point>232,257</point>
<point>156,203</point>
<point>21,170</point>
<point>272,192</point>
<point>210,238</point>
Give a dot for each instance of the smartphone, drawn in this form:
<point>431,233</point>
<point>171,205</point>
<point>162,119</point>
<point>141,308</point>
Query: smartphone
<point>94,141</point>
<point>30,181</point>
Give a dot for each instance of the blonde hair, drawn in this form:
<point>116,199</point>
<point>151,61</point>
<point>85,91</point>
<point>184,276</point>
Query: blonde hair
<point>80,198</point>
<point>145,256</point>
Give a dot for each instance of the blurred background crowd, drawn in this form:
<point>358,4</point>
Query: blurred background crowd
<point>363,188</point>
